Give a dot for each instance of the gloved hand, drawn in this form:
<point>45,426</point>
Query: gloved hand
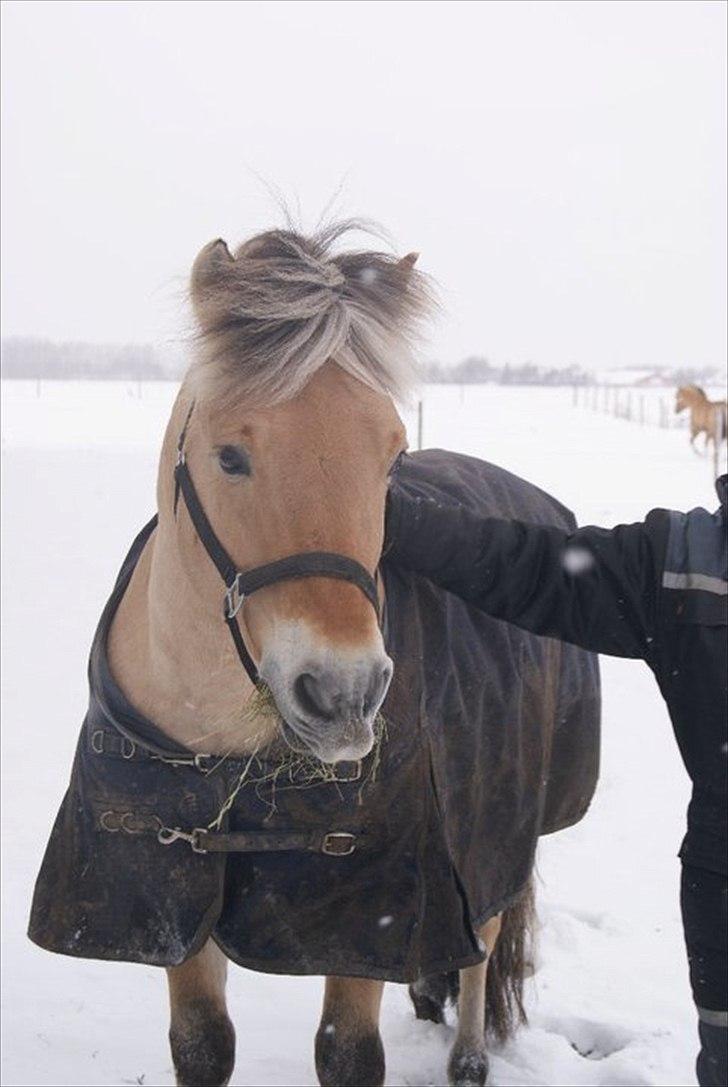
<point>424,535</point>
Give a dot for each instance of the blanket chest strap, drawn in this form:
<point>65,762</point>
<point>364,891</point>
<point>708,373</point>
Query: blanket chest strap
<point>333,844</point>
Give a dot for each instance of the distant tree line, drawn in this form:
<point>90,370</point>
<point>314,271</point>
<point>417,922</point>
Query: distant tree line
<point>26,357</point>
<point>708,375</point>
<point>477,370</point>
<point>33,358</point>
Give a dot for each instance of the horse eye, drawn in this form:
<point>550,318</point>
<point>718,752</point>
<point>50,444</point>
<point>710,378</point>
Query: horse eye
<point>234,461</point>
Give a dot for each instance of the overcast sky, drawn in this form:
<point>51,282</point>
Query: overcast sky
<point>560,166</point>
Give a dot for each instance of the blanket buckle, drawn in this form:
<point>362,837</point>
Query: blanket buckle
<point>338,843</point>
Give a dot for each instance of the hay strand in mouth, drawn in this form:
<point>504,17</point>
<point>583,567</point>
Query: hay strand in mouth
<point>280,767</point>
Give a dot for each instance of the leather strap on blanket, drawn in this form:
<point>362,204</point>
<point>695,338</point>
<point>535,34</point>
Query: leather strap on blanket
<point>114,745</point>
<point>333,844</point>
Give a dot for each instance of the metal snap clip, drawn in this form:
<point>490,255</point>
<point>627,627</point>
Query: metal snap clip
<point>168,835</point>
<point>97,741</point>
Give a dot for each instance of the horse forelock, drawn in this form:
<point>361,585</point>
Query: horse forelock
<point>273,313</point>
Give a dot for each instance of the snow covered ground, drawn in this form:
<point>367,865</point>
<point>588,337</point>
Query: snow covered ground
<point>609,1003</point>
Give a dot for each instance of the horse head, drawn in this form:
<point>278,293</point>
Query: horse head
<point>686,396</point>
<point>292,441</point>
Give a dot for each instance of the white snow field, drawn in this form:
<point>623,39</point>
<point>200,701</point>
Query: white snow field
<point>609,1003</point>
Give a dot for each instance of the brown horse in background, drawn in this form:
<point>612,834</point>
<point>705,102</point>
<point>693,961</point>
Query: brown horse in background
<point>708,417</point>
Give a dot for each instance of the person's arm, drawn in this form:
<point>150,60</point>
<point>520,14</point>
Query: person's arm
<point>594,587</point>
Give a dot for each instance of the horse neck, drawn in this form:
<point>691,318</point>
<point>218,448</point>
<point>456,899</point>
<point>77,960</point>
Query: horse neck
<point>173,656</point>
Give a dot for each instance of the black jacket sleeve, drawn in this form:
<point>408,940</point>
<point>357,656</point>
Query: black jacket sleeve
<point>594,587</point>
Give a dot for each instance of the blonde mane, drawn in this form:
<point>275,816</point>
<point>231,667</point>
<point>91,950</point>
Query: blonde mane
<point>273,313</point>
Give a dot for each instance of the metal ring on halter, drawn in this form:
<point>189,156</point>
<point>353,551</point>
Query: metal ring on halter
<point>233,606</point>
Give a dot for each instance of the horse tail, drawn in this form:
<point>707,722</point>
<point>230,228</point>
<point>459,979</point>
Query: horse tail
<point>508,967</point>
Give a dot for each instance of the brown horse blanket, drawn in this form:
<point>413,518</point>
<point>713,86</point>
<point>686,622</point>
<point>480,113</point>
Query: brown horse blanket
<point>491,740</point>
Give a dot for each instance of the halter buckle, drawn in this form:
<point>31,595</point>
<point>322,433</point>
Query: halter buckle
<point>234,599</point>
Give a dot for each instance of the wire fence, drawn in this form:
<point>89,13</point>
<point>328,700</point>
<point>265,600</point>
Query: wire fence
<point>648,407</point>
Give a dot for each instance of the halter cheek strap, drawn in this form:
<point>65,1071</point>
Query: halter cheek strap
<point>241,584</point>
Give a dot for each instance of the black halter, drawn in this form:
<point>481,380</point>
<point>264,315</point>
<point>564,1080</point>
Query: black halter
<point>241,584</point>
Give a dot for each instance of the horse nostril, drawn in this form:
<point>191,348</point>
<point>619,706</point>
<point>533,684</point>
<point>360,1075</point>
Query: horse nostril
<point>312,697</point>
<point>377,689</point>
<point>328,696</point>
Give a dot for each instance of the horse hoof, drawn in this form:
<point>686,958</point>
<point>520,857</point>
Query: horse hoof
<point>467,1068</point>
<point>349,1062</point>
<point>203,1049</point>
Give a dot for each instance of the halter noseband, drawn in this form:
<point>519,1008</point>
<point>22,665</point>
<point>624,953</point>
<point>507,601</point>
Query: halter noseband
<point>241,584</point>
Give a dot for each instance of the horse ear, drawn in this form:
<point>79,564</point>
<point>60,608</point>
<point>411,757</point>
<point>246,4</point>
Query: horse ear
<point>408,262</point>
<point>211,264</point>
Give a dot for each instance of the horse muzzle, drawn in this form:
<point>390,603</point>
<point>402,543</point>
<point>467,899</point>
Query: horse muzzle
<point>328,708</point>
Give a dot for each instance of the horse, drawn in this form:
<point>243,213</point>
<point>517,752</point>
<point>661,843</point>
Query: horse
<point>708,417</point>
<point>400,753</point>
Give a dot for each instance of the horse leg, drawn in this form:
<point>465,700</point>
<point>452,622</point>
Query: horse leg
<point>430,994</point>
<point>468,1064</point>
<point>201,1035</point>
<point>349,1051</point>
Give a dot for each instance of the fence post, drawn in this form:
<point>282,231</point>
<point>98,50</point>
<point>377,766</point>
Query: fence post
<point>419,424</point>
<point>574,397</point>
<point>642,409</point>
